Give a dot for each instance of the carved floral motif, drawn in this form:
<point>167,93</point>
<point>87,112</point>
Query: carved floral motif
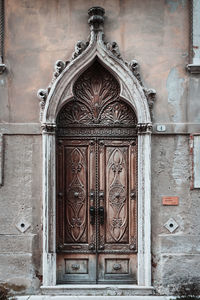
<point>118,113</point>
<point>75,113</point>
<point>96,101</point>
<point>76,196</point>
<point>117,196</point>
<point>96,86</point>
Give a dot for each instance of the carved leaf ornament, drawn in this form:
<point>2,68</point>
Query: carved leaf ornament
<point>117,196</point>
<point>96,101</point>
<point>76,196</point>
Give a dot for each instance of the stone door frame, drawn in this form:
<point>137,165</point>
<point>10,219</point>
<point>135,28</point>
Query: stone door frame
<point>53,99</point>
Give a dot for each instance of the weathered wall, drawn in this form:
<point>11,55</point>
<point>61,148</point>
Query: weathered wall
<point>156,33</point>
<point>40,32</point>
<point>176,256</point>
<point>21,203</point>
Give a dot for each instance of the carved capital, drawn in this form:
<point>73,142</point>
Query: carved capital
<point>49,128</point>
<point>144,128</point>
<point>96,18</point>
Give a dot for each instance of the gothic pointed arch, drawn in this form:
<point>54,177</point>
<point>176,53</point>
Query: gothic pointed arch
<point>64,102</point>
<point>96,101</point>
<point>60,89</point>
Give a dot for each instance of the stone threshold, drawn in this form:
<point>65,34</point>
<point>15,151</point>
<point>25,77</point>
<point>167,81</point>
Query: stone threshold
<point>97,290</point>
<point>48,297</point>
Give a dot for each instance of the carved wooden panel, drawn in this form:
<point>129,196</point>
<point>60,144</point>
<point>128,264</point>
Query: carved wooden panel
<point>96,102</point>
<point>102,175</point>
<point>116,113</point>
<point>96,86</point>
<point>76,194</point>
<point>117,182</point>
<point>75,181</point>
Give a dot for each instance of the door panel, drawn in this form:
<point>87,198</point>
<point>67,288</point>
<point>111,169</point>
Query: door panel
<point>119,268</point>
<point>96,210</point>
<point>73,268</point>
<point>75,159</point>
<point>117,160</point>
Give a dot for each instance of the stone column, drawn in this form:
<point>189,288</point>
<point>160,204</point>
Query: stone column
<point>144,205</point>
<point>49,202</point>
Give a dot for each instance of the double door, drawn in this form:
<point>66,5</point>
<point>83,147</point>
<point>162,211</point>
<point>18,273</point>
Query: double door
<point>96,210</point>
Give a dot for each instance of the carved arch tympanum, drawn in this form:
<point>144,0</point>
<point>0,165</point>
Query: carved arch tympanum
<point>96,101</point>
<point>122,103</point>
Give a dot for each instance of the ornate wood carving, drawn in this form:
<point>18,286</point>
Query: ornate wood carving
<point>96,87</point>
<point>75,113</point>
<point>96,102</point>
<point>76,194</point>
<point>74,160</point>
<point>97,170</point>
<point>117,193</point>
<point>115,114</point>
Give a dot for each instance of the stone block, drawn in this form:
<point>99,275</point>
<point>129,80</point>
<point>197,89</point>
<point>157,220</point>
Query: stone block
<point>183,244</point>
<point>15,244</point>
<point>178,269</point>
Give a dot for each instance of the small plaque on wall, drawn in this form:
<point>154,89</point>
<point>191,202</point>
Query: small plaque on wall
<point>168,200</point>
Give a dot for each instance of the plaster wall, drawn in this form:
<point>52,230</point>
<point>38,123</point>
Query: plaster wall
<point>156,33</point>
<point>20,252</point>
<point>40,32</point>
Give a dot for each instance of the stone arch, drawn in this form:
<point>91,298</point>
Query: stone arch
<point>130,88</point>
<point>137,97</point>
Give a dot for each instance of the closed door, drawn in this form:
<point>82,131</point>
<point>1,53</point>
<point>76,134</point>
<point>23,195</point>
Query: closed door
<point>96,210</point>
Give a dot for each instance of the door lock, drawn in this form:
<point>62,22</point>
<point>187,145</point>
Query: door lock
<point>101,214</point>
<point>92,215</point>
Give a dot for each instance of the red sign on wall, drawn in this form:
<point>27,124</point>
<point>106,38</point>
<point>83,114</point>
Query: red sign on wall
<point>170,200</point>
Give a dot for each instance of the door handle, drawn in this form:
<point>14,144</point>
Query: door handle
<point>92,215</point>
<point>101,214</point>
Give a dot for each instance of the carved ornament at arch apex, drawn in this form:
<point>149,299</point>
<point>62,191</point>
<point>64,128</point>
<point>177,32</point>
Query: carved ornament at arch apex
<point>53,97</point>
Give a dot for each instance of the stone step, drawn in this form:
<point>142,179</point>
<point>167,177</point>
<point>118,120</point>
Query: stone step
<point>49,297</point>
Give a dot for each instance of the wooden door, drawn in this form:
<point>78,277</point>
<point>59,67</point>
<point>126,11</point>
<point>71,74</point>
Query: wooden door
<point>76,227</point>
<point>117,211</point>
<point>96,210</point>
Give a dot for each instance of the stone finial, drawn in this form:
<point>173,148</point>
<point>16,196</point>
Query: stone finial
<point>96,18</point>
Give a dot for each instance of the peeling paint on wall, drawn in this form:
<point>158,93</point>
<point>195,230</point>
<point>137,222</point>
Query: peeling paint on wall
<point>175,4</point>
<point>175,92</point>
<point>180,172</point>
